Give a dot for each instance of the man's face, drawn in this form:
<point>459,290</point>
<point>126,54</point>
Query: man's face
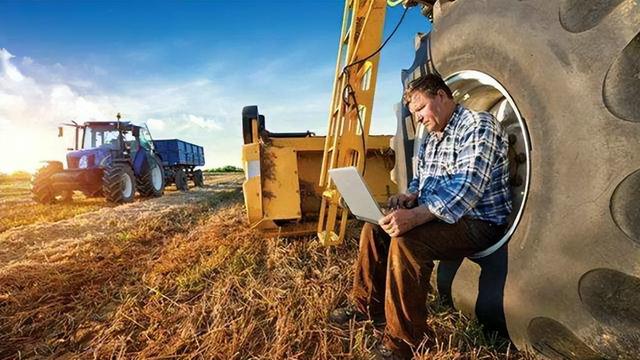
<point>430,111</point>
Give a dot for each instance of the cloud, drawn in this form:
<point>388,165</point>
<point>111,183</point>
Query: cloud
<point>201,122</point>
<point>27,61</point>
<point>193,109</point>
<point>202,106</point>
<point>156,124</point>
<point>9,71</point>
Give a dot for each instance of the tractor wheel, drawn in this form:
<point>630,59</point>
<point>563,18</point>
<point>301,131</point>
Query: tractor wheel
<point>118,184</point>
<point>198,178</point>
<point>563,78</point>
<point>151,182</point>
<point>180,178</point>
<point>41,188</point>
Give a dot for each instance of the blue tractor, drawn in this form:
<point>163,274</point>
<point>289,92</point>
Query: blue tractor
<point>110,159</point>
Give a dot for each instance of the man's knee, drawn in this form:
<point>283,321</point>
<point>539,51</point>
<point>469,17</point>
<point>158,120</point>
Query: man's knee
<point>405,242</point>
<point>398,249</point>
<point>408,248</point>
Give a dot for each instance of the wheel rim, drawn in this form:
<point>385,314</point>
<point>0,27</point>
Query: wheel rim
<point>128,185</point>
<point>156,178</point>
<point>481,92</point>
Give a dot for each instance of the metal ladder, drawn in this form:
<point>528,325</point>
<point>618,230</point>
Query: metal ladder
<point>350,112</point>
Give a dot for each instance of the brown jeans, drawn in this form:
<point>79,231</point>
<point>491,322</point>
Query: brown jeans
<point>392,274</point>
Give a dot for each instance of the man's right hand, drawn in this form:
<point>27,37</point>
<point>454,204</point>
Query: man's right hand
<point>403,201</point>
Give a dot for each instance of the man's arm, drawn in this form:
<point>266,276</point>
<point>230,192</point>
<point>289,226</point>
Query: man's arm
<point>403,201</point>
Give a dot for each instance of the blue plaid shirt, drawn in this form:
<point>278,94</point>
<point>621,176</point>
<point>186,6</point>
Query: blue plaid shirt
<point>465,172</point>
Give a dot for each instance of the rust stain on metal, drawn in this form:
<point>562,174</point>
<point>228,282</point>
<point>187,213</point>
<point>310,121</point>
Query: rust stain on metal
<point>267,163</point>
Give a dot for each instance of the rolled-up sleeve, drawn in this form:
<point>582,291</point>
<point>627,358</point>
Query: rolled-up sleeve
<point>458,192</point>
<point>414,184</point>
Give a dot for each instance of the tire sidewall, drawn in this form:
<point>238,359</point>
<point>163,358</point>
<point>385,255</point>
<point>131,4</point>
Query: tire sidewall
<point>159,191</point>
<point>128,173</point>
<point>566,214</point>
<point>114,186</point>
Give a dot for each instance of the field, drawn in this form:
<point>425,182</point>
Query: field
<point>182,276</point>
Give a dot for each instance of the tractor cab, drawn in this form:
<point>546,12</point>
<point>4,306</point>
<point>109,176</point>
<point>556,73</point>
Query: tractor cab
<point>98,143</point>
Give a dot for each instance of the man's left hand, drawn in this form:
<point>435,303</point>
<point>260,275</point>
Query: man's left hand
<point>398,222</point>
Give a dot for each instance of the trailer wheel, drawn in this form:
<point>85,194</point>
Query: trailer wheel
<point>570,70</point>
<point>198,178</point>
<point>118,184</point>
<point>180,178</point>
<point>151,182</point>
<point>41,187</point>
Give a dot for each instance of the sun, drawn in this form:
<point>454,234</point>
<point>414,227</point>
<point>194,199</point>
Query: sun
<point>24,149</point>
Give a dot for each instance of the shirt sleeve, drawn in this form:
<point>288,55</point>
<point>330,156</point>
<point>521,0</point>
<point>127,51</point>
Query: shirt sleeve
<point>461,190</point>
<point>414,184</point>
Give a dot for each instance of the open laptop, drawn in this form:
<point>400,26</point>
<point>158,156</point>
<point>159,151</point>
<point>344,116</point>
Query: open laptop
<point>356,194</point>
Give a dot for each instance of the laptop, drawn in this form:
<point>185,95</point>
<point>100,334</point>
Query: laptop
<point>356,194</point>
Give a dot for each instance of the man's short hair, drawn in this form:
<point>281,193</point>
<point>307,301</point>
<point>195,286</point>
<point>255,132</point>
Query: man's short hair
<point>429,85</point>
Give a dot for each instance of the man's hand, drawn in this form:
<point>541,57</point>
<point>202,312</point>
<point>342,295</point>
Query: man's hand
<point>400,221</point>
<point>403,201</point>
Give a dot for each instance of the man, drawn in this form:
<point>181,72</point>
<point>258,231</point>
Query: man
<point>457,204</point>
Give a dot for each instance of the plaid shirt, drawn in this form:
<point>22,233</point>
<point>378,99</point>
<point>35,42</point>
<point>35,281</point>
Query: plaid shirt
<point>465,172</point>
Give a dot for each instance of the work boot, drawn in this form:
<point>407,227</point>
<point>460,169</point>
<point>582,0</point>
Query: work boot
<point>381,352</point>
<point>343,315</point>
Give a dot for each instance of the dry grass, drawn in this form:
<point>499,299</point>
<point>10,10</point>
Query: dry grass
<point>17,208</point>
<point>194,282</point>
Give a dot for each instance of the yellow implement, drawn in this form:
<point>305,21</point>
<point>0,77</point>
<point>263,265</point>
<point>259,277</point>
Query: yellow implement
<point>287,190</point>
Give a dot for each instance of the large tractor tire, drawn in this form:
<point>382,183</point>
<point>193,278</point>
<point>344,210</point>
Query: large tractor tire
<point>563,77</point>
<point>151,181</point>
<point>119,184</point>
<point>180,179</point>
<point>198,178</point>
<point>41,188</point>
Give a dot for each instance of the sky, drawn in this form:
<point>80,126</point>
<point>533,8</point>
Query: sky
<point>185,68</point>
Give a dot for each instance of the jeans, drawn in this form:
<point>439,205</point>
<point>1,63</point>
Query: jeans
<point>392,275</point>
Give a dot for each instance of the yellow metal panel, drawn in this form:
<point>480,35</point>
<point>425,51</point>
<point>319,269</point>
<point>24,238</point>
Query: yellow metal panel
<point>254,130</point>
<point>250,152</point>
<point>252,199</point>
<point>265,225</point>
<point>281,190</point>
<point>314,143</point>
<point>309,165</point>
<point>377,177</point>
<point>381,142</point>
<point>252,186</point>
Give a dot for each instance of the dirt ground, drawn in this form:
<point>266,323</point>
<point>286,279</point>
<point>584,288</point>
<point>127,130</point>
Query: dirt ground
<point>182,276</point>
<point>29,227</point>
